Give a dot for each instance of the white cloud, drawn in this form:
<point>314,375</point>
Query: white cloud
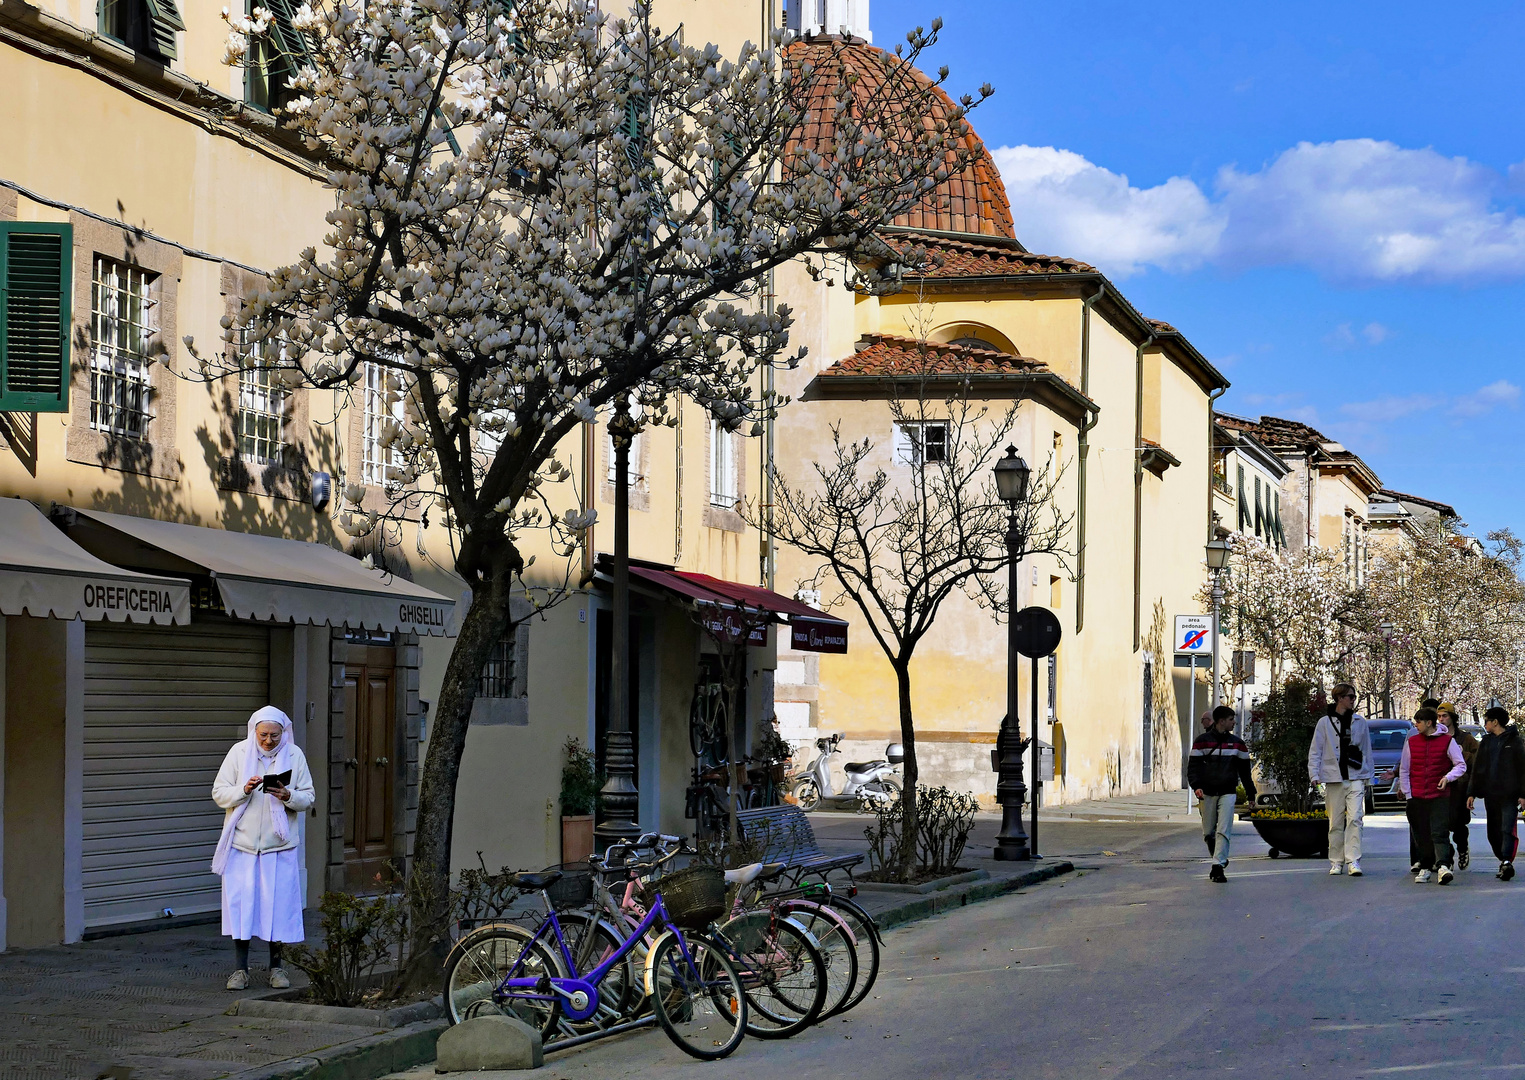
<point>1345,336</point>
<point>1357,210</point>
<point>1502,394</point>
<point>1386,409</point>
<point>1375,333</point>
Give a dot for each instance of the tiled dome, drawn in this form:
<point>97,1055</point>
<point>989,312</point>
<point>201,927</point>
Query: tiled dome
<point>973,201</point>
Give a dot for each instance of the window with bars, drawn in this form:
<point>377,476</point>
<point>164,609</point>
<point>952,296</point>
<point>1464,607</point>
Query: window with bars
<point>723,483</point>
<point>375,458</point>
<point>121,328</point>
<point>261,416</point>
<point>506,672</point>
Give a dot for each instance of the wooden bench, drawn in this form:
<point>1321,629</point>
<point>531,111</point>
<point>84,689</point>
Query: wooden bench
<point>786,837</point>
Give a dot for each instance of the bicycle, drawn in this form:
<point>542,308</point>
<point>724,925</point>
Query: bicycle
<point>836,922</point>
<point>694,989</point>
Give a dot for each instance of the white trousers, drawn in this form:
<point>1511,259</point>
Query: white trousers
<point>1218,819</point>
<point>262,896</point>
<point>1345,803</point>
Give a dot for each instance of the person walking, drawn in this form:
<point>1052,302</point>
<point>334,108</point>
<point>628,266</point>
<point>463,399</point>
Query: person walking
<point>265,787</point>
<point>1497,777</point>
<point>1460,810</point>
<point>1340,758</point>
<point>1431,762</point>
<point>1219,763</point>
<point>1419,844</point>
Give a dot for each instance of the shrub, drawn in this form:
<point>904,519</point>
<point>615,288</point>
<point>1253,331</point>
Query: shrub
<point>944,820</point>
<point>1282,732</point>
<point>360,934</point>
<point>580,782</point>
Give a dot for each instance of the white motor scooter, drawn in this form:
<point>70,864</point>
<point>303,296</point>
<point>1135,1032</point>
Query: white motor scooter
<point>869,783</point>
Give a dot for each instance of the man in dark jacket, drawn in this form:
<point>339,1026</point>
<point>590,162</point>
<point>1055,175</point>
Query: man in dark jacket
<point>1219,763</point>
<point>1498,778</point>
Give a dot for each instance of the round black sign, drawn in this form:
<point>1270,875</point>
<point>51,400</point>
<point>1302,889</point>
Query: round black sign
<point>1037,630</point>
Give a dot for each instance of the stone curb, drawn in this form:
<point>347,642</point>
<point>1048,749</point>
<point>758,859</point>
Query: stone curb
<point>268,1009</point>
<point>362,1059</point>
<point>962,895</point>
<point>925,887</point>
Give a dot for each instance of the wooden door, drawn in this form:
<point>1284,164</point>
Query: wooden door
<point>370,743</point>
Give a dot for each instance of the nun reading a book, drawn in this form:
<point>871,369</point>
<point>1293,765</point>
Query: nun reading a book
<point>265,787</point>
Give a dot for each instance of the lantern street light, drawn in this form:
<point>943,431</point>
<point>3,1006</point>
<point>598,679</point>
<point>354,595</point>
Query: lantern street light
<point>1011,476</point>
<point>1218,552</point>
<point>1387,663</point>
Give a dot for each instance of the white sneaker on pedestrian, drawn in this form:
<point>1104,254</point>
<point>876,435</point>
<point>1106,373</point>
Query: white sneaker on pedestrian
<point>1421,877</point>
<point>1336,869</point>
<point>279,979</point>
<point>1445,876</point>
<point>239,980</point>
<point>1355,868</point>
<point>1413,868</point>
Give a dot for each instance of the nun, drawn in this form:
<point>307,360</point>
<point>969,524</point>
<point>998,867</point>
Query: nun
<point>265,787</point>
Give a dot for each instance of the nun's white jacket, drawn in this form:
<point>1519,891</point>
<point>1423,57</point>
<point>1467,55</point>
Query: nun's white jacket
<point>255,831</point>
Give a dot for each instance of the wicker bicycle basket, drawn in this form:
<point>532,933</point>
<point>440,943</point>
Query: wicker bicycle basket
<point>575,887</point>
<point>694,896</point>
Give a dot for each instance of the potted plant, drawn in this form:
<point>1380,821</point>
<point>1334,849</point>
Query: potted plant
<point>580,784</point>
<point>1283,729</point>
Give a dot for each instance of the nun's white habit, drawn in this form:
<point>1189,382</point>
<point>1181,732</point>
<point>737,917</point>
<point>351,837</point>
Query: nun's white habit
<point>258,855</point>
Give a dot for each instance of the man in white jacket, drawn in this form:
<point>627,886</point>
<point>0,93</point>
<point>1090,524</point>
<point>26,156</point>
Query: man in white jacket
<point>1340,759</point>
<point>265,787</point>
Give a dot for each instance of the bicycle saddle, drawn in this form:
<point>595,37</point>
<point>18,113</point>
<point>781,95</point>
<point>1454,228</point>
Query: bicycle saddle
<point>864,766</point>
<point>755,872</point>
<point>543,880</point>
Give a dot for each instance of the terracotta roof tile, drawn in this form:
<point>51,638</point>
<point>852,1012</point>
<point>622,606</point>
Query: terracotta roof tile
<point>1161,326</point>
<point>885,355</point>
<point>973,200</point>
<point>950,257</point>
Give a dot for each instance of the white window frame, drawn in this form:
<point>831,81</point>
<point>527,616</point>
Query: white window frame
<point>121,327</point>
<point>633,473</point>
<point>261,423</point>
<point>374,460</point>
<point>911,439</point>
<point>725,489</point>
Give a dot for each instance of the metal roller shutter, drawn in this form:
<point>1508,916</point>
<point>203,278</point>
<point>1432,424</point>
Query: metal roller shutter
<point>162,707</point>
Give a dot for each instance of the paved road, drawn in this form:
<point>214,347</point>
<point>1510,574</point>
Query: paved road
<point>1138,967</point>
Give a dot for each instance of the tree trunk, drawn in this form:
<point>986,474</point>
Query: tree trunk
<point>429,882</point>
<point>908,791</point>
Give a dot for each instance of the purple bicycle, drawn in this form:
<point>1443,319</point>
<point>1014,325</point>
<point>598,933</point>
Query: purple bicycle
<point>690,984</point>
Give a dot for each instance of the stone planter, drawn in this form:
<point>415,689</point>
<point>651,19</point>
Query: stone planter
<point>576,838</point>
<point>1299,839</point>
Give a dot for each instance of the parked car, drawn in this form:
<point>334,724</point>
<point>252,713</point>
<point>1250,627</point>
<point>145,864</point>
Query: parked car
<point>1387,739</point>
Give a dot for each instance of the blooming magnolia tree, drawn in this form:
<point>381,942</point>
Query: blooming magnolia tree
<point>540,211</point>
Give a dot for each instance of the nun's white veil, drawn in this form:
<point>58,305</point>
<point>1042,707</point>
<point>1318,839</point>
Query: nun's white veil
<point>269,714</point>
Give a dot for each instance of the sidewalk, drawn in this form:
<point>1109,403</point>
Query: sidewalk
<point>1162,806</point>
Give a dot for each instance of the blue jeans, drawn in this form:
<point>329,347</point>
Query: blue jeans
<point>1218,821</point>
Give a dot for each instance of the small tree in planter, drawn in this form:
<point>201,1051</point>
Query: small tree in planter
<point>580,784</point>
<point>1281,735</point>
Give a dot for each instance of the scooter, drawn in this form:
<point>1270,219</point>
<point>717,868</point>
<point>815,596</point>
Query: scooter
<point>869,783</point>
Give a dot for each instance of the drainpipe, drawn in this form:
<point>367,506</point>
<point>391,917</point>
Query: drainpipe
<point>1085,447</point>
<point>1212,411</point>
<point>1138,482</point>
<point>769,548</point>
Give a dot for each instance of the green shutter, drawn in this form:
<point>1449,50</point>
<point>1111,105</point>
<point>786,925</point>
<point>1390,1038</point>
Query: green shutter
<point>163,20</point>
<point>291,41</point>
<point>36,272</point>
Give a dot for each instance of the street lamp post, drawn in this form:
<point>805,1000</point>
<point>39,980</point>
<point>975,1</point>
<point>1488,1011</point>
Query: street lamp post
<point>1011,476</point>
<point>1387,664</point>
<point>1218,552</point>
<point>619,798</point>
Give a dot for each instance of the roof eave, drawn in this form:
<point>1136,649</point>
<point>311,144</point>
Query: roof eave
<point>1048,389</point>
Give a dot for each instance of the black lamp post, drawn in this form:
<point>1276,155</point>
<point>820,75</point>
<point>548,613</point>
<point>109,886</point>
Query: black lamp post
<point>1218,552</point>
<point>619,799</point>
<point>1387,664</point>
<point>1011,476</point>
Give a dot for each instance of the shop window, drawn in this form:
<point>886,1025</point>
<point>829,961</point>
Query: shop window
<point>921,443</point>
<point>36,266</point>
<point>121,333</point>
<point>723,480</point>
<point>144,26</point>
<point>273,59</point>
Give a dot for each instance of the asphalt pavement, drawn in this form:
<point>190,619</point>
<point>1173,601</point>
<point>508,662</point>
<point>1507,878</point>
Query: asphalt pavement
<point>1137,966</point>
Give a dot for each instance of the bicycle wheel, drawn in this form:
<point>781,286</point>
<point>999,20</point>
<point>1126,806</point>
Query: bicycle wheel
<point>617,992</point>
<point>781,969</point>
<point>698,998</point>
<point>866,940</point>
<point>834,938</point>
<point>479,963</point>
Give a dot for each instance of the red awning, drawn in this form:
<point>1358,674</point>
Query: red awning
<point>810,630</point>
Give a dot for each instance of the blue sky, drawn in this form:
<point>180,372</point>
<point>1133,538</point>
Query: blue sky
<point>1326,198</point>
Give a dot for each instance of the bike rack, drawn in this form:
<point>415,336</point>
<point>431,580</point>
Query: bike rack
<point>569,1041</point>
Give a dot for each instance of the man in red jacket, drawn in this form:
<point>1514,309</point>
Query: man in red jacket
<point>1431,761</point>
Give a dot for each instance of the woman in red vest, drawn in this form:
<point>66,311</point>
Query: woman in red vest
<point>1431,761</point>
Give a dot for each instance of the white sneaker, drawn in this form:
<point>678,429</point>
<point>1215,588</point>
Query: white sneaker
<point>279,979</point>
<point>1445,876</point>
<point>1336,869</point>
<point>1355,868</point>
<point>239,980</point>
<point>1421,877</point>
